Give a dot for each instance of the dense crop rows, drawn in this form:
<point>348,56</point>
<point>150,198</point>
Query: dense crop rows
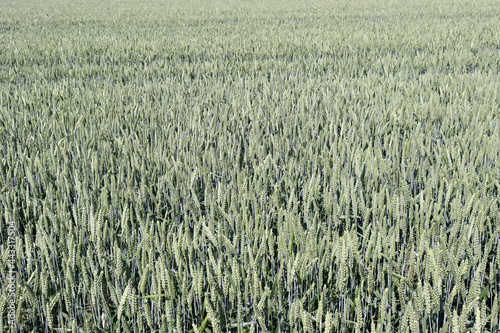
<point>251,166</point>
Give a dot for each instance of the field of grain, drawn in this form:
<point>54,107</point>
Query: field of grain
<point>250,166</point>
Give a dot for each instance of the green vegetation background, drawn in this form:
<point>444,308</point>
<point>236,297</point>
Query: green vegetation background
<point>251,165</point>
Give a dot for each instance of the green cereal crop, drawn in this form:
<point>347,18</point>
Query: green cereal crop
<point>250,166</point>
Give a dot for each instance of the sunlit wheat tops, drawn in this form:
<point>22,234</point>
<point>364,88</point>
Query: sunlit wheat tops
<point>251,166</point>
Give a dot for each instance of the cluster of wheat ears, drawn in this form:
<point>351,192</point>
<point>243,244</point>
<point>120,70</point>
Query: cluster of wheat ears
<point>251,166</point>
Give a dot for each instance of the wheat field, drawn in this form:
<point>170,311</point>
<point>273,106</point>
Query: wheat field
<point>249,166</point>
